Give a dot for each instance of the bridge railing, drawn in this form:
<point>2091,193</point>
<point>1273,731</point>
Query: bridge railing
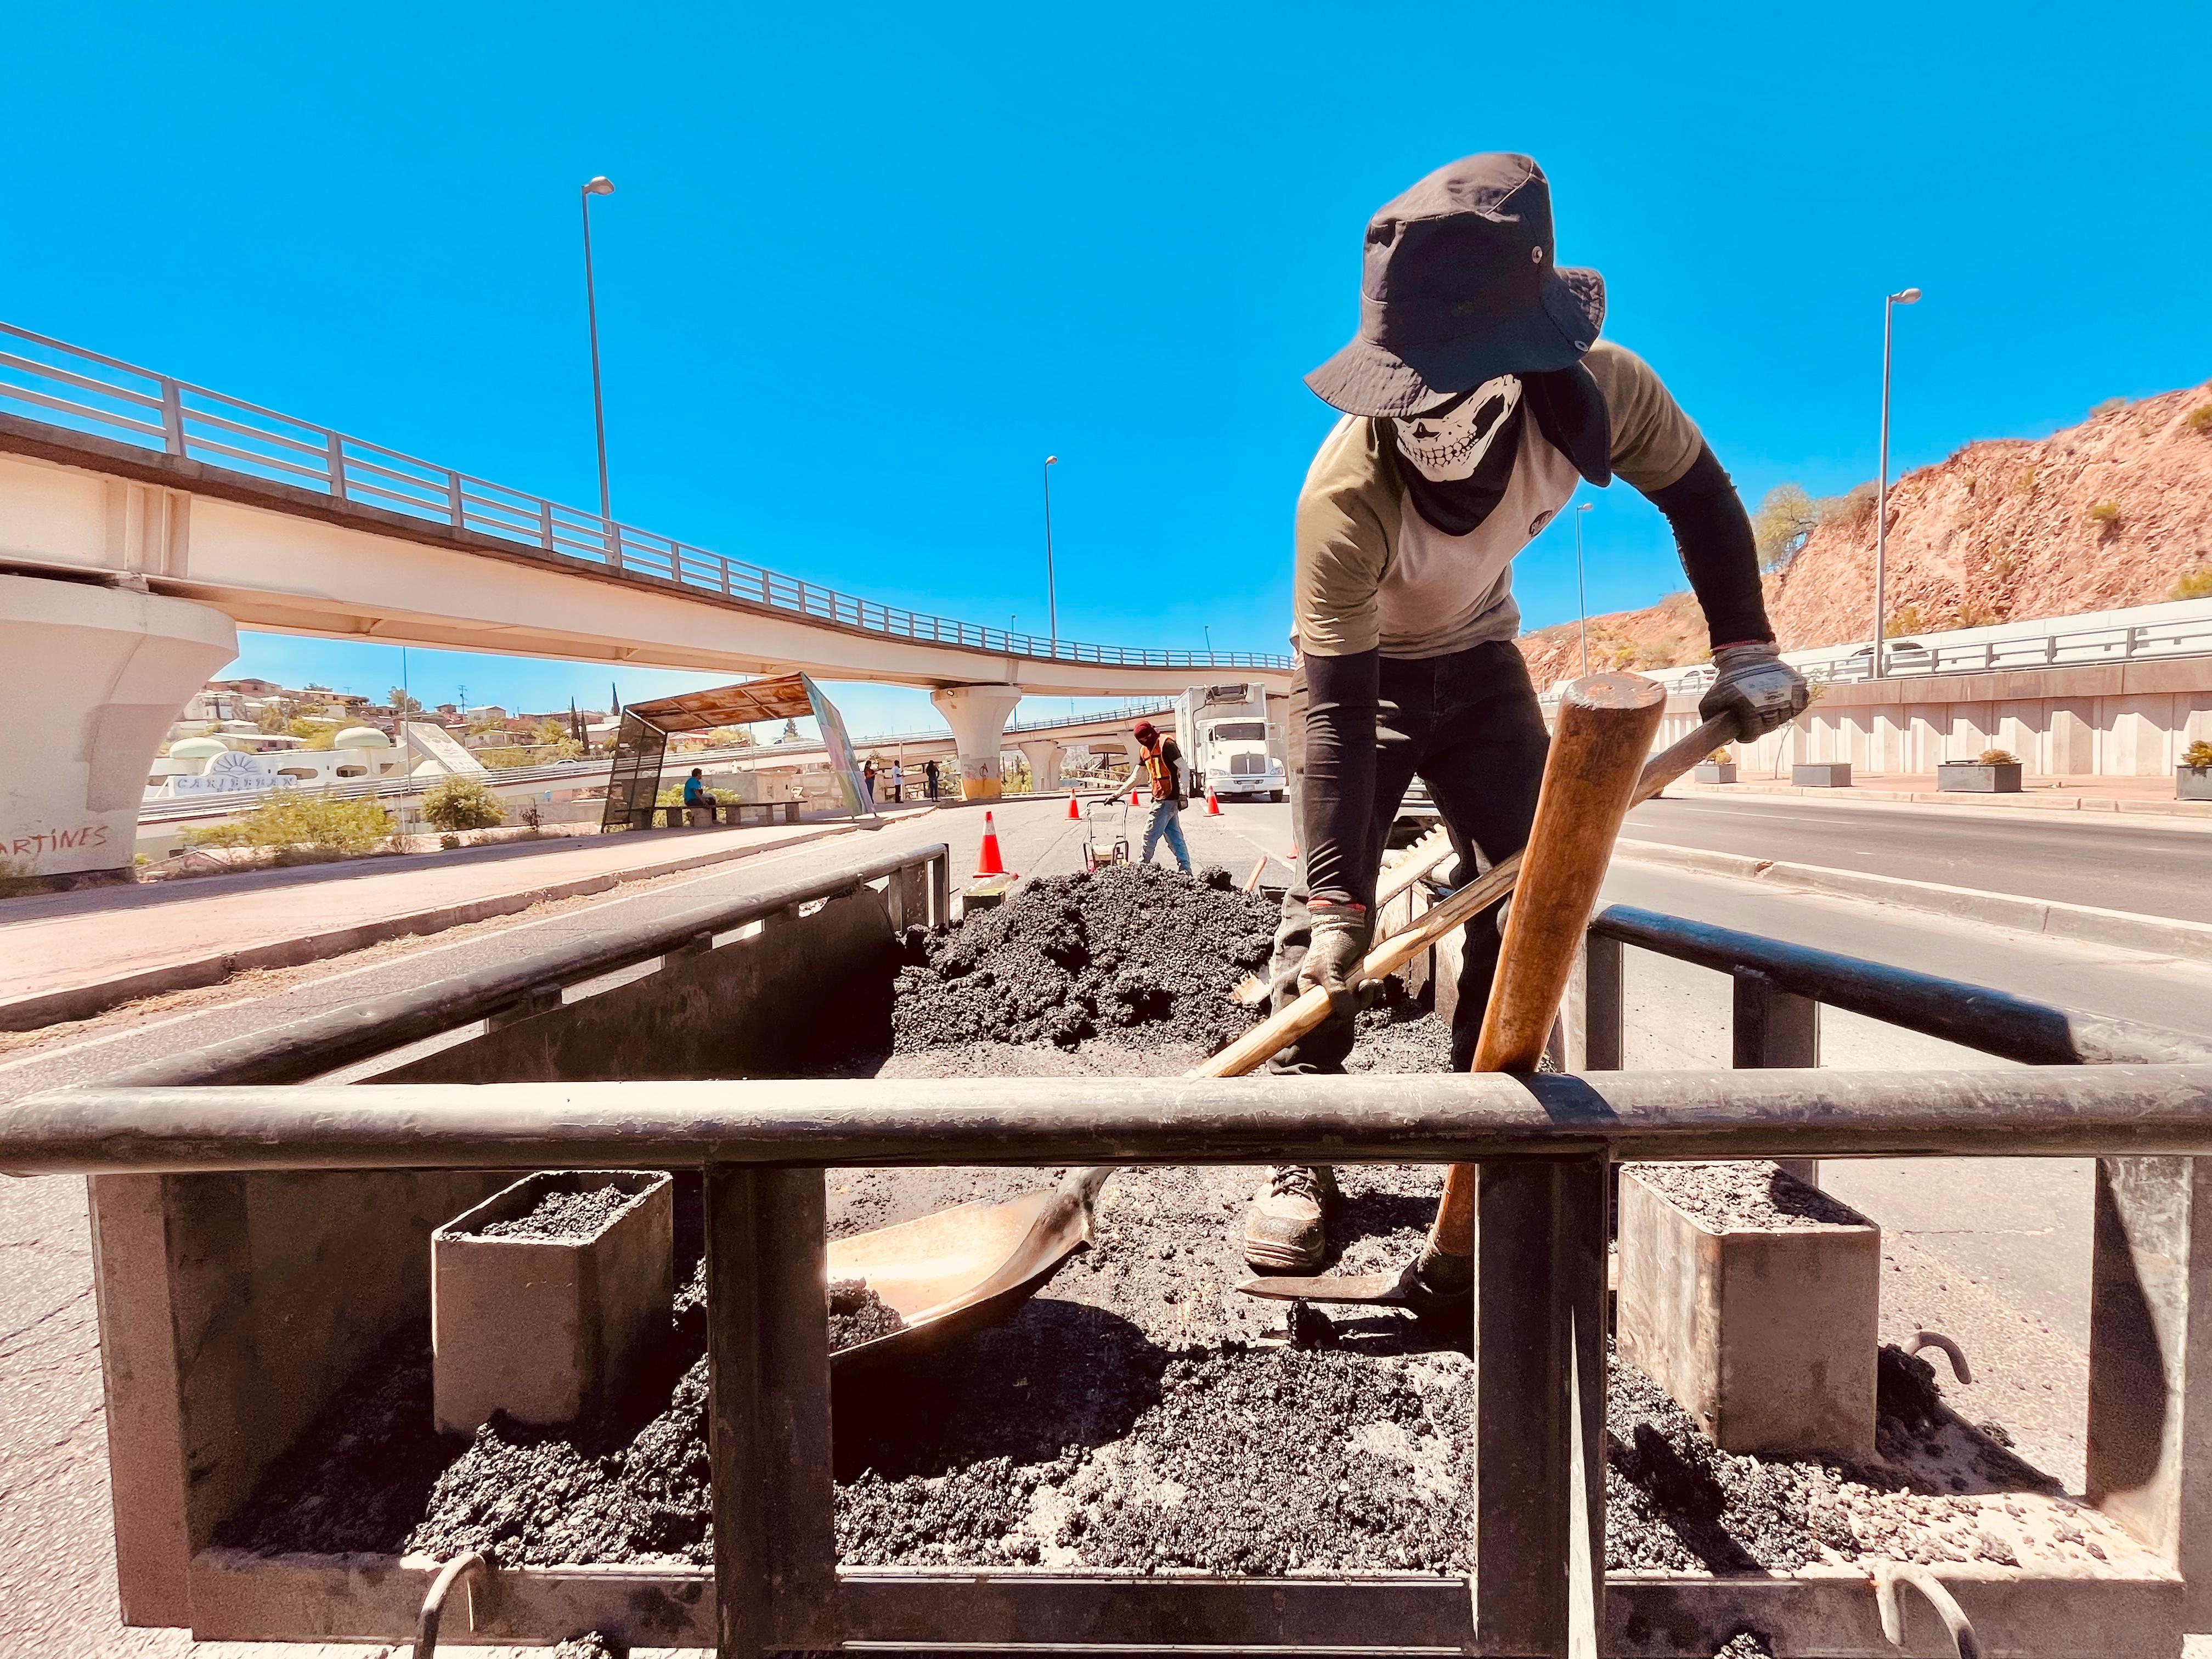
<point>66,386</point>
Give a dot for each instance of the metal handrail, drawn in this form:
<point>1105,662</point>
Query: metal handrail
<point>123,1125</point>
<point>324,1041</point>
<point>345,475</point>
<point>2079,648</point>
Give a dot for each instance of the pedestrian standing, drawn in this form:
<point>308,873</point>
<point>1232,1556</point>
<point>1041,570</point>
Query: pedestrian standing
<point>929,777</point>
<point>868,777</point>
<point>898,783</point>
<point>1475,399</point>
<point>1162,766</point>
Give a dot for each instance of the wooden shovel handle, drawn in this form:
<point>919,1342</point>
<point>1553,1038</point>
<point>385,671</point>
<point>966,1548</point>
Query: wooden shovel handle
<point>1252,1050</point>
<point>1605,726</point>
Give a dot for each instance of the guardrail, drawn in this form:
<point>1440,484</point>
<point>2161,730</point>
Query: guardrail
<point>1546,1144</point>
<point>1904,659</point>
<point>84,391</point>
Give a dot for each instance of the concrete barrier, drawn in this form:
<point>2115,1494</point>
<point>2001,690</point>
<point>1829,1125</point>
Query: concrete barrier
<point>548,1329</point>
<point>1765,1334</point>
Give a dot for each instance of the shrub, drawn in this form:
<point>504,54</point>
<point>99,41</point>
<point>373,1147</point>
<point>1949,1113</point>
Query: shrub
<point>1997,758</point>
<point>1719,757</point>
<point>463,803</point>
<point>2198,755</point>
<point>2199,420</point>
<point>2197,585</point>
<point>1975,613</point>
<point>296,819</point>
<point>2104,513</point>
<point>1905,619</point>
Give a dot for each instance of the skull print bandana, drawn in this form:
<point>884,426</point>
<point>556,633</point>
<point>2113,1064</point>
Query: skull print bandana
<point>1447,443</point>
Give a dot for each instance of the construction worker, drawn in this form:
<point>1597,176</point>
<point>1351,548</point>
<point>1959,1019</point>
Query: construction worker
<point>1475,397</point>
<point>1162,765</point>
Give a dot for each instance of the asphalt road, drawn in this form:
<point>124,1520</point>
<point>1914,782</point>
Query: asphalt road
<point>2080,858</point>
<point>1997,1249</point>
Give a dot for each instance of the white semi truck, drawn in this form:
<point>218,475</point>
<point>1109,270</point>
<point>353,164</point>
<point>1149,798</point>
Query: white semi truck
<point>1222,732</point>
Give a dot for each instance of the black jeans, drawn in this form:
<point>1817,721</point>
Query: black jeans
<point>1468,726</point>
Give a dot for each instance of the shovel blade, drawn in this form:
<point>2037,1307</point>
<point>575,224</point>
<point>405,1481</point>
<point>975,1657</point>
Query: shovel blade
<point>1365,1290</point>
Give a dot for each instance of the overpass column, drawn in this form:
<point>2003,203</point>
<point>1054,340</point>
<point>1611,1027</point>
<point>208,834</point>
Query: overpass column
<point>1043,756</point>
<point>977,715</point>
<point>91,676</point>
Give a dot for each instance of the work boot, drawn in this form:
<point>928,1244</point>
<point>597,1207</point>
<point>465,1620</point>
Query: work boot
<point>1437,1285</point>
<point>1285,1225</point>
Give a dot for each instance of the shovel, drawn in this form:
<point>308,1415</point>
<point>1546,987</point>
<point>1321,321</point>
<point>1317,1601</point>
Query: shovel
<point>961,1268</point>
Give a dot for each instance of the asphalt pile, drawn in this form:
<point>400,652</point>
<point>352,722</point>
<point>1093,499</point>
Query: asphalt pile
<point>558,1216</point>
<point>1071,957</point>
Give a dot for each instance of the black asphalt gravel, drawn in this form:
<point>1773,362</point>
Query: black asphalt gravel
<point>563,1216</point>
<point>1071,958</point>
<point>1752,1194</point>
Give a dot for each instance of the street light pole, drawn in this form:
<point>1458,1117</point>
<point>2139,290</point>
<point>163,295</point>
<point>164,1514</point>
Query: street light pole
<point>597,186</point>
<point>1582,600</point>
<point>1890,302</point>
<point>1051,604</point>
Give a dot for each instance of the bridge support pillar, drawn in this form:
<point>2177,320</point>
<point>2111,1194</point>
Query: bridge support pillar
<point>91,675</point>
<point>977,715</point>
<point>1043,756</point>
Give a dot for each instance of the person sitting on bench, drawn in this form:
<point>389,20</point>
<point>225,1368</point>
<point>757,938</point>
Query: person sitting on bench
<point>696,792</point>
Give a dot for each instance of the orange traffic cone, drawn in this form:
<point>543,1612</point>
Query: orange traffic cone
<point>1132,794</point>
<point>1073,811</point>
<point>990,864</point>
<point>1213,806</point>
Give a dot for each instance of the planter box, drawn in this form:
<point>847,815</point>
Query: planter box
<point>546,1329</point>
<point>1765,1334</point>
<point>1972,778</point>
<point>1716,772</point>
<point>1822,774</point>
<point>2193,783</point>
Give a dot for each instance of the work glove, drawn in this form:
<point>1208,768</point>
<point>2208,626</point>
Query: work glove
<point>1341,934</point>
<point>1754,685</point>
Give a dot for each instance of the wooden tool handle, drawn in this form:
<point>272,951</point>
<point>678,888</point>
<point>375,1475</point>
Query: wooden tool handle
<point>1606,722</point>
<point>1278,1031</point>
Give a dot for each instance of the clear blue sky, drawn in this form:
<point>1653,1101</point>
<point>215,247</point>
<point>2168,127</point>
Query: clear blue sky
<point>867,265</point>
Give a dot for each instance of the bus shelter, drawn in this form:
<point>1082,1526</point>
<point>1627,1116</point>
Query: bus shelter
<point>641,741</point>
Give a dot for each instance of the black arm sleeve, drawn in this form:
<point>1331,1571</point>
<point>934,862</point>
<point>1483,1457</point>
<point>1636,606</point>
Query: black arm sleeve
<point>1712,533</point>
<point>1336,805</point>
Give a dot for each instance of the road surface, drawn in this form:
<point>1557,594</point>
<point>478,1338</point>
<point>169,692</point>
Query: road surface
<point>2079,858</point>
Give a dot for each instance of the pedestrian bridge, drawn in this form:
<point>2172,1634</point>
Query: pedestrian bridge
<point>175,513</point>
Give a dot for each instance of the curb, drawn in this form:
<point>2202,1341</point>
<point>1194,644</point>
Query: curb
<point>2033,800</point>
<point>82,1001</point>
<point>2089,923</point>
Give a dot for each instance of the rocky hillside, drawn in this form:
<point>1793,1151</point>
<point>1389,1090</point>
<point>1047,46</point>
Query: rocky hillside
<point>2116,511</point>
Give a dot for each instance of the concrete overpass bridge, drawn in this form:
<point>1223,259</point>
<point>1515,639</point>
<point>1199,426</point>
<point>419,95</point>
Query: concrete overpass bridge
<point>143,519</point>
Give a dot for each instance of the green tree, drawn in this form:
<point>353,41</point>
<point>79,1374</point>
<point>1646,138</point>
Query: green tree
<point>1783,520</point>
<point>461,803</point>
<point>403,703</point>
